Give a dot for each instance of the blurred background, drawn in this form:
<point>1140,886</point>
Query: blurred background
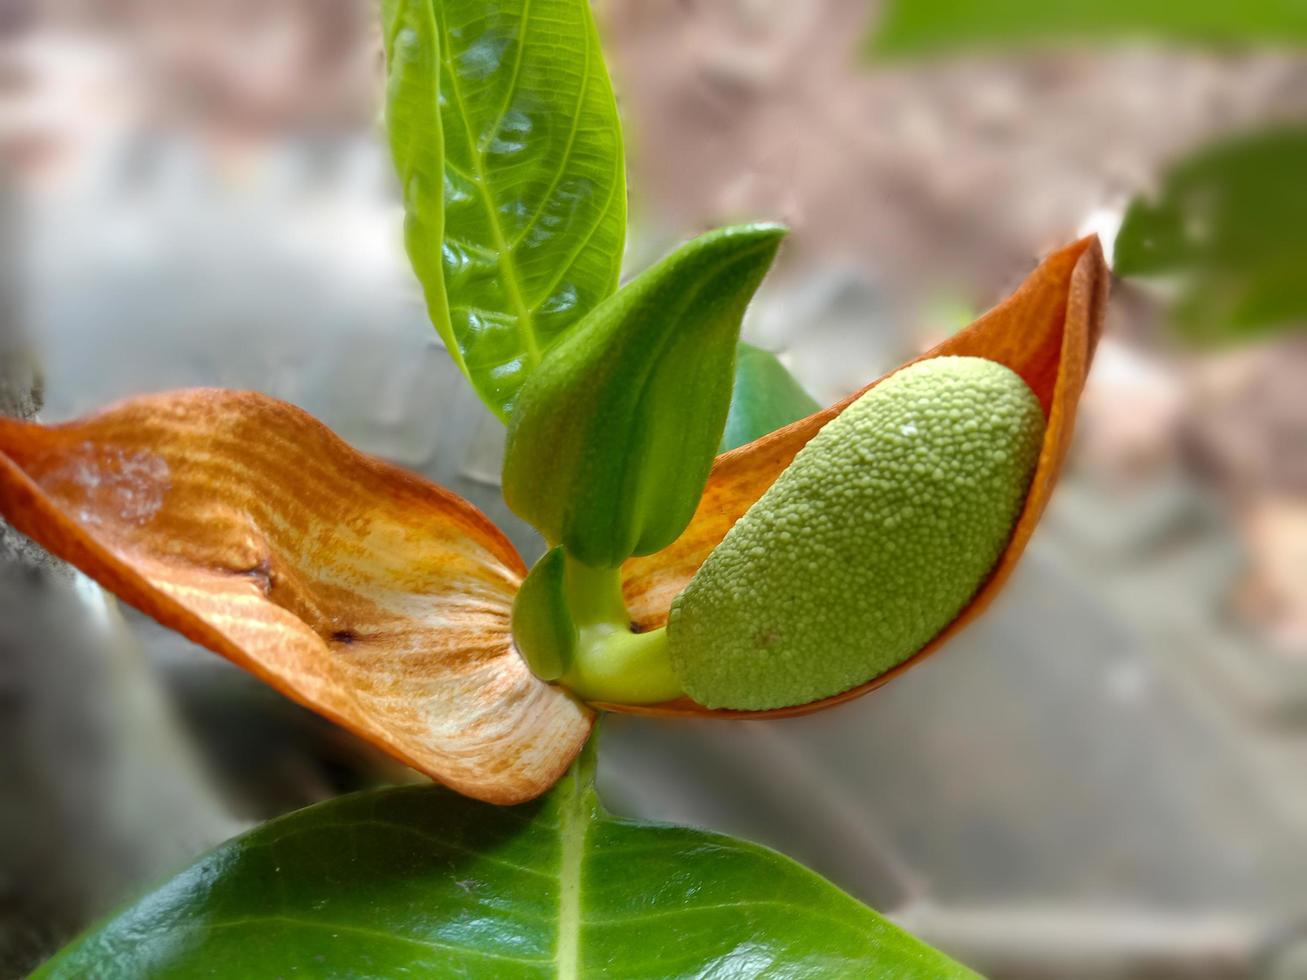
<point>1105,778</point>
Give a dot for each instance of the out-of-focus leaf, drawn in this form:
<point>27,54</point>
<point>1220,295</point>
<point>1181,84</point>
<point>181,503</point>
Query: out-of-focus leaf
<point>613,436</point>
<point>418,882</point>
<point>765,398</point>
<point>506,138</point>
<point>1230,226</point>
<point>914,27</point>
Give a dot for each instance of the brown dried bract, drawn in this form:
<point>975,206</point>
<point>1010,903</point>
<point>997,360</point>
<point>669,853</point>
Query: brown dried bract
<point>361,591</point>
<point>1046,331</point>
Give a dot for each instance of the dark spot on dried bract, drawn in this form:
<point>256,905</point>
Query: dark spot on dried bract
<point>260,573</point>
<point>344,636</point>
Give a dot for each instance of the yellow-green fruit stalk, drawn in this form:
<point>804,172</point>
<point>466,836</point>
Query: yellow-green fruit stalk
<point>868,545</point>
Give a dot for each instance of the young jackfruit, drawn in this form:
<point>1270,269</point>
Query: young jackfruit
<point>868,545</point>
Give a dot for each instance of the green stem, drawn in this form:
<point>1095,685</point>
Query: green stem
<point>612,663</point>
<point>594,595</point>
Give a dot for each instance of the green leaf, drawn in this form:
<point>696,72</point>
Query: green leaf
<point>1229,226</point>
<point>543,629</point>
<point>766,398</point>
<point>614,435</point>
<point>915,27</point>
<point>506,138</point>
<point>417,144</point>
<point>419,882</point>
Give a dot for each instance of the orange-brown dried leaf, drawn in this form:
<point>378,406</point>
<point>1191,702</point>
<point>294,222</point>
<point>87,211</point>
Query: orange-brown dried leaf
<point>359,590</point>
<point>1046,332</point>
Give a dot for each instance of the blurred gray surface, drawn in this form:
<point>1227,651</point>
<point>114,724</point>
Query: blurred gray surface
<point>294,284</point>
<point>100,794</point>
<point>1044,756</point>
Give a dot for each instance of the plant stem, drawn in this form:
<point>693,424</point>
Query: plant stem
<point>611,662</point>
<point>594,595</point>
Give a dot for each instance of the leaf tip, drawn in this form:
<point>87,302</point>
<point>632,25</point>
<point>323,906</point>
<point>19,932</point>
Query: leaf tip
<point>759,233</point>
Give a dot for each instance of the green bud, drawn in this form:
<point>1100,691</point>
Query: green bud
<point>868,545</point>
<point>543,629</point>
<point>613,436</point>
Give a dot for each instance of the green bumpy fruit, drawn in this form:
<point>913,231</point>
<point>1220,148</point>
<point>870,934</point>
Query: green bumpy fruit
<point>870,543</point>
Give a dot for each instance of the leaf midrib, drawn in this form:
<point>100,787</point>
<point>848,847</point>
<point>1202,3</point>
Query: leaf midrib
<point>573,825</point>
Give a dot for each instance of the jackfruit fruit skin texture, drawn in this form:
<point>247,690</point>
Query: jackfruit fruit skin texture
<point>870,543</point>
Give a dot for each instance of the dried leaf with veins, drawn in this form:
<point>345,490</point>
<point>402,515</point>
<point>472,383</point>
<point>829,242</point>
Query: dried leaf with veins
<point>359,590</point>
<point>382,601</point>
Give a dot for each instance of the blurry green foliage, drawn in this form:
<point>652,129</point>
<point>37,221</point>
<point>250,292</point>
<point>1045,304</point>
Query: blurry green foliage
<point>911,27</point>
<point>765,398</point>
<point>1230,226</point>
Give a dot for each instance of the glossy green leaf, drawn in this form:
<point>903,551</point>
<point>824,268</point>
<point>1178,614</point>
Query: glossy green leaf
<point>419,882</point>
<point>506,138</point>
<point>417,145</point>
<point>543,629</point>
<point>765,398</point>
<point>913,27</point>
<point>614,435</point>
<point>1229,227</point>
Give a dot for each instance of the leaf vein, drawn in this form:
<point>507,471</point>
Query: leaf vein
<point>566,267</point>
<point>511,89</point>
<point>370,933</point>
<point>525,325</point>
<point>583,88</point>
<point>444,844</point>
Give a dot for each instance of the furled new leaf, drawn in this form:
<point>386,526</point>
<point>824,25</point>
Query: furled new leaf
<point>613,436</point>
<point>419,882</point>
<point>506,138</point>
<point>765,398</point>
<point>912,27</point>
<point>1230,226</point>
